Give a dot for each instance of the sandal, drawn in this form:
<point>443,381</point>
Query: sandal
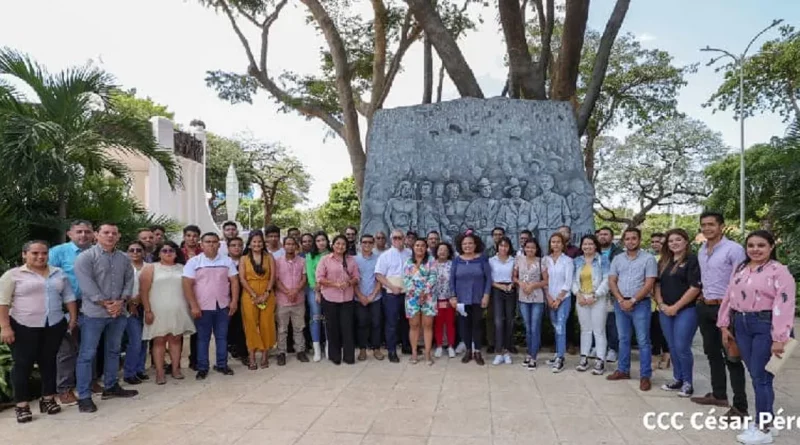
<point>49,406</point>
<point>24,414</point>
<point>177,375</point>
<point>264,363</point>
<point>414,360</point>
<point>252,365</point>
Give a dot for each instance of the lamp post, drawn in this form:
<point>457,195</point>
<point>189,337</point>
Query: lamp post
<point>739,63</point>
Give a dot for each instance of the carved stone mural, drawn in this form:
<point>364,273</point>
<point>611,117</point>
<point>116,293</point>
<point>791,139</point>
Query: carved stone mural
<point>477,163</point>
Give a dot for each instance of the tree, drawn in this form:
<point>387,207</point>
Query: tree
<point>342,208</point>
<point>771,79</point>
<point>64,133</point>
<point>222,152</point>
<point>126,102</point>
<point>658,166</point>
<point>280,177</point>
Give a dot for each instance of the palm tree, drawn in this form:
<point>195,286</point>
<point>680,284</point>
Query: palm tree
<point>63,132</point>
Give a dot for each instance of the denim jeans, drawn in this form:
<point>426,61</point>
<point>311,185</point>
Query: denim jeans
<point>136,352</point>
<point>679,331</point>
<point>638,320</point>
<point>532,317</point>
<point>393,309</point>
<point>558,317</point>
<point>611,332</point>
<point>753,333</point>
<point>315,315</point>
<point>91,330</point>
<point>215,321</point>
<point>505,310</point>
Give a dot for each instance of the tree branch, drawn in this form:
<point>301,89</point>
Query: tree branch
<point>379,57</point>
<point>441,84</point>
<point>408,35</point>
<point>525,80</point>
<point>564,83</point>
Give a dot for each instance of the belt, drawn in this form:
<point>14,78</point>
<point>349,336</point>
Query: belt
<point>709,302</point>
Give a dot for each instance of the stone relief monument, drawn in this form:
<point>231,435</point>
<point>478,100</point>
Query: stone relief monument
<point>479,164</point>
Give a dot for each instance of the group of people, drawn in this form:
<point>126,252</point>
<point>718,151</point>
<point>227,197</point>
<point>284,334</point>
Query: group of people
<point>67,309</point>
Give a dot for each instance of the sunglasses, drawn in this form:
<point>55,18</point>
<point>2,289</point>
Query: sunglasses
<point>134,250</point>
<point>165,251</point>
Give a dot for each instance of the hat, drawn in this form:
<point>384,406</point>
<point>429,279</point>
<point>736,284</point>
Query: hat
<point>484,182</point>
<point>512,182</point>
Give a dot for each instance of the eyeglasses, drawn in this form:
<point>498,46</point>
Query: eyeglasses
<point>397,237</point>
<point>380,237</point>
<point>367,242</point>
<point>166,251</point>
<point>134,250</point>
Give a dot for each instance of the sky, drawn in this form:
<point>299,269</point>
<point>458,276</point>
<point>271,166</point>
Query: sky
<point>163,48</point>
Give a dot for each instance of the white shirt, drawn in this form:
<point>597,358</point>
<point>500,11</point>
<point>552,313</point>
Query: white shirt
<point>501,271</point>
<point>559,274</point>
<point>278,253</point>
<point>392,261</point>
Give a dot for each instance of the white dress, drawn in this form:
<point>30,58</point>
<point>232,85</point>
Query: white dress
<point>171,313</point>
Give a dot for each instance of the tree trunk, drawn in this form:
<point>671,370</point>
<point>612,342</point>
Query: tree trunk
<point>449,53</point>
<point>525,78</point>
<point>588,155</point>
<point>427,70</point>
<point>63,200</point>
<point>267,208</point>
<point>566,75</point>
<point>440,86</point>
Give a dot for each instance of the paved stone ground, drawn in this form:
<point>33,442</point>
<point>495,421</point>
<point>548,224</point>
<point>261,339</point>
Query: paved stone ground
<point>378,403</point>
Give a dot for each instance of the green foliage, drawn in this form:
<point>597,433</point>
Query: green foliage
<point>342,208</point>
<point>222,152</point>
<point>771,79</point>
<point>5,373</point>
<point>125,102</point>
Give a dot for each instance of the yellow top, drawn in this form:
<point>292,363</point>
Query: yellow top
<point>586,278</point>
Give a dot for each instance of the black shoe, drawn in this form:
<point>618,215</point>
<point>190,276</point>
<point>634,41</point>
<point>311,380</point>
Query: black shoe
<point>86,405</point>
<point>513,350</point>
<point>193,366</point>
<point>490,350</point>
<point>117,391</point>
<point>245,360</point>
<point>290,349</point>
<point>406,350</point>
<point>393,357</point>
<point>225,371</point>
<point>336,362</point>
<point>467,356</point>
<point>301,357</point>
<point>132,380</point>
<point>142,376</point>
<point>281,359</point>
<point>201,375</point>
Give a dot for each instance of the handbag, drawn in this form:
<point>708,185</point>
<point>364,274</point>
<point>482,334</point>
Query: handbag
<point>776,363</point>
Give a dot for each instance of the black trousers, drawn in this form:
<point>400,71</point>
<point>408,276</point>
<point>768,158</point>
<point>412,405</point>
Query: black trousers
<point>717,359</point>
<point>369,324</point>
<point>339,328</point>
<point>237,345</point>
<point>193,351</point>
<point>35,346</point>
<point>505,307</point>
<point>573,327</point>
<point>657,341</point>
<point>472,327</point>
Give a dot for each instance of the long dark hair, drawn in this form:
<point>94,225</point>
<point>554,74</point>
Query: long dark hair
<point>594,240</point>
<point>535,242</point>
<point>179,258</point>
<point>258,268</point>
<point>315,252</point>
<point>767,235</point>
<point>425,256</point>
<point>506,240</point>
<point>344,255</point>
<point>667,255</point>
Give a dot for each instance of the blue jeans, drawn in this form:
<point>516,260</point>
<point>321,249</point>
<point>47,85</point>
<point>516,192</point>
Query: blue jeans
<point>136,352</point>
<point>91,330</point>
<point>215,321</point>
<point>753,333</point>
<point>532,317</point>
<point>679,332</point>
<point>637,319</point>
<point>558,318</point>
<point>393,309</point>
<point>315,315</point>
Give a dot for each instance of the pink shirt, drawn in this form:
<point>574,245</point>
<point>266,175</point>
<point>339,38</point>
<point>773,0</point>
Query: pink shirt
<point>212,286</point>
<point>291,273</point>
<point>331,269</point>
<point>768,288</point>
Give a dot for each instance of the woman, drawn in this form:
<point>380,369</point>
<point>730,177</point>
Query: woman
<point>257,276</point>
<point>167,317</point>
<point>445,319</point>
<point>559,271</point>
<point>306,242</point>
<point>136,350</point>
<point>503,299</point>
<point>419,277</point>
<point>470,282</point>
<point>32,322</point>
<point>590,286</point>
<point>337,276</point>
<point>757,312</point>
<point>320,249</point>
<point>530,276</point>
<point>676,290</point>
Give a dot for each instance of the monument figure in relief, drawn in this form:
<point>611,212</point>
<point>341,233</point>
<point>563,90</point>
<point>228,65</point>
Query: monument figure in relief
<point>551,210</point>
<point>580,203</point>
<point>372,210</point>
<point>481,212</point>
<point>401,210</point>
<point>428,214</point>
<point>455,208</point>
<point>515,213</point>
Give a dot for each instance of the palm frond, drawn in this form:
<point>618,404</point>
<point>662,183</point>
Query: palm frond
<point>21,66</point>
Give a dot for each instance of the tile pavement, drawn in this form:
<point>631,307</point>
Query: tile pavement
<point>378,403</point>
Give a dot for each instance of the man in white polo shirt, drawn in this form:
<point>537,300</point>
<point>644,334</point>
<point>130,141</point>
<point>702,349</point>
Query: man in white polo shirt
<point>389,273</point>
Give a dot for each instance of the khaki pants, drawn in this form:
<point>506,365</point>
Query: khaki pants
<point>296,314</point>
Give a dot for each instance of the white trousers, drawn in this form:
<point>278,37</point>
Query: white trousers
<point>593,322</point>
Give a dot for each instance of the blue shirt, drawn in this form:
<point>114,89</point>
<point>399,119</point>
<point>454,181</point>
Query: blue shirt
<point>63,256</point>
<point>631,273</point>
<point>470,280</point>
<point>366,272</point>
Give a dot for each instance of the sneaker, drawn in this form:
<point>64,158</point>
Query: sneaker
<point>674,385</point>
<point>223,370</point>
<point>498,360</point>
<point>526,361</point>
<point>599,367</point>
<point>461,348</point>
<point>754,436</point>
<point>583,365</point>
<point>558,365</point>
<point>438,352</point>
<point>142,376</point>
<point>531,366</point>
<point>132,380</point>
<point>592,353</point>
<point>451,352</point>
<point>281,359</point>
<point>86,406</point>
<point>686,390</point>
<point>362,354</point>
<point>117,391</point>
<point>611,356</point>
<point>302,357</point>
<point>67,398</point>
<point>507,358</point>
<point>551,361</point>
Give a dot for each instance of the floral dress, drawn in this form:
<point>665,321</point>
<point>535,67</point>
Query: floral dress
<point>441,289</point>
<point>530,273</point>
<point>419,283</point>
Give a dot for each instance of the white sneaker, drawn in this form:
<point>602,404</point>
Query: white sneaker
<point>451,352</point>
<point>754,436</point>
<point>611,356</point>
<point>507,358</point>
<point>438,352</point>
<point>461,348</point>
<point>498,360</point>
<point>551,361</point>
<point>317,352</point>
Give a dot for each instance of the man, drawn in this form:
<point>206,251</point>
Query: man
<point>80,236</point>
<point>608,250</point>
<point>524,236</point>
<point>630,280</point>
<point>368,303</point>
<point>272,235</point>
<point>306,243</point>
<point>411,238</point>
<point>573,330</point>
<point>290,285</point>
<point>657,241</point>
<point>237,343</point>
<point>380,242</point>
<point>148,239</point>
<point>235,249</point>
<point>389,273</point>
<point>350,233</point>
<point>229,231</point>
<point>433,240</point>
<point>159,233</point>
<point>718,256</point>
<point>211,286</point>
<point>294,232</point>
<point>572,250</point>
<point>105,276</point>
<point>497,234</point>
<point>191,247</point>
